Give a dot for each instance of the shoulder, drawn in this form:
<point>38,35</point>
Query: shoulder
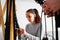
<point>39,25</point>
<point>28,24</point>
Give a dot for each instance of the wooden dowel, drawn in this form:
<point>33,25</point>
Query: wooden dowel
<point>11,25</point>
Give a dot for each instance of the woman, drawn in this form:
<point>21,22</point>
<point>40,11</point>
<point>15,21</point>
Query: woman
<point>34,27</point>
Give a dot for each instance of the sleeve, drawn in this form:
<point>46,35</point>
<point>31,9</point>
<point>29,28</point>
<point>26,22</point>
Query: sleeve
<point>39,31</point>
<point>27,28</point>
<point>31,36</point>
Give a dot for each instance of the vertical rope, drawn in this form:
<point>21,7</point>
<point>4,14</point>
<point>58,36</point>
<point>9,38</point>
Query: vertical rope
<point>7,30</point>
<point>15,22</point>
<point>41,25</point>
<point>45,38</point>
<point>52,29</point>
<point>45,26</point>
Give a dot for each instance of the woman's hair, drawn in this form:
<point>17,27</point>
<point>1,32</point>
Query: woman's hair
<point>35,11</point>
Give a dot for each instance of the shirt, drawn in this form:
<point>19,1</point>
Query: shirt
<point>34,29</point>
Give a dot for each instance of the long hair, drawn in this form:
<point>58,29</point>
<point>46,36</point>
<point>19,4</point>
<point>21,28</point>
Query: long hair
<point>35,11</point>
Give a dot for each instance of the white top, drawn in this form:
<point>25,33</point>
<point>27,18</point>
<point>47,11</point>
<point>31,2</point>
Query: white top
<point>34,29</point>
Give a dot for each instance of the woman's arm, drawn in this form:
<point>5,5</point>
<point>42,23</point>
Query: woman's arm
<point>31,37</point>
<point>39,31</point>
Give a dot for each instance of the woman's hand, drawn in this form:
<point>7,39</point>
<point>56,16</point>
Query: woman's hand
<point>19,31</point>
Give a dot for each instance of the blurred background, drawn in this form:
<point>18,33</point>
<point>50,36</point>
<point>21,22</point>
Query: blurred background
<point>21,7</point>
